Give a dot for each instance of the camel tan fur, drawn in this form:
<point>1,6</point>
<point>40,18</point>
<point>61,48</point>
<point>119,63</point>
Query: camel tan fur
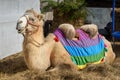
<point>68,30</point>
<point>91,29</point>
<point>36,49</point>
<point>41,53</point>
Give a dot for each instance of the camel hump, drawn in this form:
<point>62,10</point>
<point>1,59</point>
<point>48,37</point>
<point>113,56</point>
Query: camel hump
<point>68,30</point>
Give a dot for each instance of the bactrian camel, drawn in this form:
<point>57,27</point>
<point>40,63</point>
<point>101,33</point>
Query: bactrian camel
<point>40,53</point>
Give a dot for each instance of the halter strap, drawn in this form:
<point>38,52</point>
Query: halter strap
<point>33,25</point>
<point>36,43</point>
<point>28,22</point>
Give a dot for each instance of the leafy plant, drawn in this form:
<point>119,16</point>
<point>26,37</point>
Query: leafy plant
<point>72,9</point>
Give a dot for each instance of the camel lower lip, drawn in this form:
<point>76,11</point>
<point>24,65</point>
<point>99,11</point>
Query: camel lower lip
<point>19,32</point>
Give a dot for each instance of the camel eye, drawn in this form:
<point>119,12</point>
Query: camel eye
<point>32,19</point>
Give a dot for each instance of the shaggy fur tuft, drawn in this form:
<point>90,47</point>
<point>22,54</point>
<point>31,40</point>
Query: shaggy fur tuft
<point>91,29</point>
<point>68,30</point>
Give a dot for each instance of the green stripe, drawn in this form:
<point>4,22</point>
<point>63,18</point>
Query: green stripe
<point>79,60</point>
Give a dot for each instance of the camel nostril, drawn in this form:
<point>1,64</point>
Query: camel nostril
<point>19,22</point>
<point>19,30</point>
<point>17,26</point>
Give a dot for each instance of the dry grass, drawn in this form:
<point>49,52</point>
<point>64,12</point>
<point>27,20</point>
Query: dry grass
<point>13,68</point>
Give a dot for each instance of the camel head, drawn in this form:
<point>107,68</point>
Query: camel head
<point>29,22</point>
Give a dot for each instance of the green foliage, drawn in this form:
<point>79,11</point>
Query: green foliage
<point>73,9</point>
<point>50,4</point>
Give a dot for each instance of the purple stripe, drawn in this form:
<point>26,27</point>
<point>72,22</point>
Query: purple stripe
<point>84,40</point>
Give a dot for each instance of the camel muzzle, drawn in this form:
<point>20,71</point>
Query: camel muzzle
<point>19,29</point>
<point>21,24</point>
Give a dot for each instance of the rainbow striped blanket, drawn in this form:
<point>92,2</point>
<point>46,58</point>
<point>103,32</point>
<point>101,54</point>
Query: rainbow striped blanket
<point>84,50</point>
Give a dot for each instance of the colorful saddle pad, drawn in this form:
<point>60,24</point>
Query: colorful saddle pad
<point>84,50</point>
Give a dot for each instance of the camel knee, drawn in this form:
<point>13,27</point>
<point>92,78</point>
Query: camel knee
<point>110,57</point>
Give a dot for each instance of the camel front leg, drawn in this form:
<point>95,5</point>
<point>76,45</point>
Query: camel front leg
<point>60,58</point>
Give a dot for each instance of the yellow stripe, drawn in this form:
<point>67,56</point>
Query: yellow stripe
<point>83,66</point>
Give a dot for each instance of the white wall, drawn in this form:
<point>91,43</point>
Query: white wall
<point>10,11</point>
<point>99,16</point>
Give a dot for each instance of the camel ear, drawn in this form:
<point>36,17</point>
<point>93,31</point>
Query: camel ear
<point>41,16</point>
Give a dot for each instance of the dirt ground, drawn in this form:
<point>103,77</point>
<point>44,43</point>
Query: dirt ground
<point>13,68</point>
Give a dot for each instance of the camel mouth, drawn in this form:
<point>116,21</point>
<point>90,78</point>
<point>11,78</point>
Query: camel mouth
<point>21,31</point>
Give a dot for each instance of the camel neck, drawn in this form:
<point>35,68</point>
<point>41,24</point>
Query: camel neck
<point>36,38</point>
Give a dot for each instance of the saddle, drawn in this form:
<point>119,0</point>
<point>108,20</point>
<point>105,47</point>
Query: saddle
<point>84,50</point>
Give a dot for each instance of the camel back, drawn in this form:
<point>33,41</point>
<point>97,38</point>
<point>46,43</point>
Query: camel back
<point>84,50</point>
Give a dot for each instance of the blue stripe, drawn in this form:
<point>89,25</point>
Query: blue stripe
<point>85,51</point>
